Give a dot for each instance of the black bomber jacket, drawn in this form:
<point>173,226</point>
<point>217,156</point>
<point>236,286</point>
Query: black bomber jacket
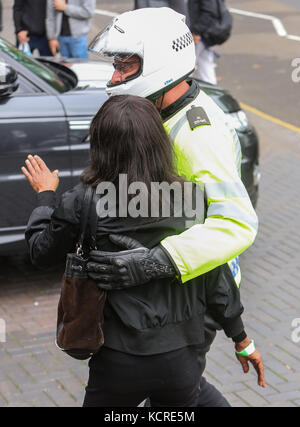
<point>156,317</point>
<point>202,14</point>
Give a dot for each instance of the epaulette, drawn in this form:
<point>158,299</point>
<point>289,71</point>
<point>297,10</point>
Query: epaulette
<point>197,117</point>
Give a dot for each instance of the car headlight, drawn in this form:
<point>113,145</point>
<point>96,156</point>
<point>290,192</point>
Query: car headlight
<point>239,121</point>
<point>256,175</point>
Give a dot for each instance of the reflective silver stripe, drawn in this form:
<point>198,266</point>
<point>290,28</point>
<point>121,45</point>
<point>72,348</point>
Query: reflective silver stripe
<point>21,177</point>
<point>232,211</point>
<point>176,128</point>
<point>79,124</point>
<point>11,239</point>
<point>78,147</point>
<point>5,229</point>
<point>225,190</point>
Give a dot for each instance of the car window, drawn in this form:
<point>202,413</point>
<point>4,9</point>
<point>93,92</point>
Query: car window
<point>37,68</point>
<point>25,87</point>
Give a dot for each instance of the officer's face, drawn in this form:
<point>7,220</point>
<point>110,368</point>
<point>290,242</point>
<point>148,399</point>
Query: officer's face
<point>125,68</point>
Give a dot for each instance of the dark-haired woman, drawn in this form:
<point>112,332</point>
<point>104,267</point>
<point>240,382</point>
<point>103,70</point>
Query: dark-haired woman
<point>151,331</point>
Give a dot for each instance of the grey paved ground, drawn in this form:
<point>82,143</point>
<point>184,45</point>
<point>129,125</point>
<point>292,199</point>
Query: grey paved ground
<point>33,372</point>
<point>271,288</point>
<point>255,63</point>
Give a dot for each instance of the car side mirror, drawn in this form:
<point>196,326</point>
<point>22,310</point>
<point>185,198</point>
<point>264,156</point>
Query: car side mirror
<point>8,80</point>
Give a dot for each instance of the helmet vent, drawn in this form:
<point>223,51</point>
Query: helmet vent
<point>182,42</point>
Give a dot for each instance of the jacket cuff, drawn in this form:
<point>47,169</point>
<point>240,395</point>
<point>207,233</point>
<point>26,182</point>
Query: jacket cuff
<point>19,29</point>
<point>233,327</point>
<point>170,260</point>
<point>240,337</point>
<point>46,198</point>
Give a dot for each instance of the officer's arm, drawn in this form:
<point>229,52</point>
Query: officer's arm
<point>223,301</point>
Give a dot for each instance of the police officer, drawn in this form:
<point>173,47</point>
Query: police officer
<point>154,54</point>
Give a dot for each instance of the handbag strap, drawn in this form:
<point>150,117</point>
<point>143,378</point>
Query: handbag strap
<point>84,218</point>
<point>93,221</point>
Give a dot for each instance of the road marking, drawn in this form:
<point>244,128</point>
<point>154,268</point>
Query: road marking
<point>281,31</point>
<point>270,118</point>
<point>297,38</point>
<point>278,25</point>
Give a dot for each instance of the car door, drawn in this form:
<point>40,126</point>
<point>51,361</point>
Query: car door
<point>32,121</point>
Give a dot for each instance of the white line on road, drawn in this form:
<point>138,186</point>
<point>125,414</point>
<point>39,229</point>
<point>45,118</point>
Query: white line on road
<point>297,38</point>
<point>281,31</point>
<point>278,25</point>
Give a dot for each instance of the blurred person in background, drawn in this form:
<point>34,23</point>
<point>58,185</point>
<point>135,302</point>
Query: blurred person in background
<point>179,6</point>
<point>29,20</point>
<point>68,22</point>
<point>210,23</point>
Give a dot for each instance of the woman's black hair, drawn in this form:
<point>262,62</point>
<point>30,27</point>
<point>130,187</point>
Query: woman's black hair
<point>127,137</point>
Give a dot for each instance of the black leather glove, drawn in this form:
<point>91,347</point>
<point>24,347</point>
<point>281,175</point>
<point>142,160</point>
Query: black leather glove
<point>135,266</point>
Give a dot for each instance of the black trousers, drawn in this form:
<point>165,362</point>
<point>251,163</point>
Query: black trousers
<point>119,379</point>
<point>210,397</point>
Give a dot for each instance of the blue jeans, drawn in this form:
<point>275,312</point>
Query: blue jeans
<point>73,47</point>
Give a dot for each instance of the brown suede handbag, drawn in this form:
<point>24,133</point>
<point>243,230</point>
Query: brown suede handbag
<point>80,308</point>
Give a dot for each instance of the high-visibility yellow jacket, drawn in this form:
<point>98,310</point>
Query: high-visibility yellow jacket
<point>210,156</point>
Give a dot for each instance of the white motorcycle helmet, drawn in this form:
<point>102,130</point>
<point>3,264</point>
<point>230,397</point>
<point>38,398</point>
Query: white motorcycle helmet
<point>162,41</point>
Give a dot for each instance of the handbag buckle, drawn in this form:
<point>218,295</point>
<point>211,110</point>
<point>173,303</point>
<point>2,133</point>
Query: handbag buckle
<point>79,250</point>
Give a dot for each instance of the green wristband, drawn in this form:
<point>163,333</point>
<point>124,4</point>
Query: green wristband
<point>248,350</point>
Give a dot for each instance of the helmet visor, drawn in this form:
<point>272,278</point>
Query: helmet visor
<point>99,44</point>
<point>106,45</point>
<point>126,63</point>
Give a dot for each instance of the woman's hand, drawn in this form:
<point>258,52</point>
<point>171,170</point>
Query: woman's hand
<point>39,176</point>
